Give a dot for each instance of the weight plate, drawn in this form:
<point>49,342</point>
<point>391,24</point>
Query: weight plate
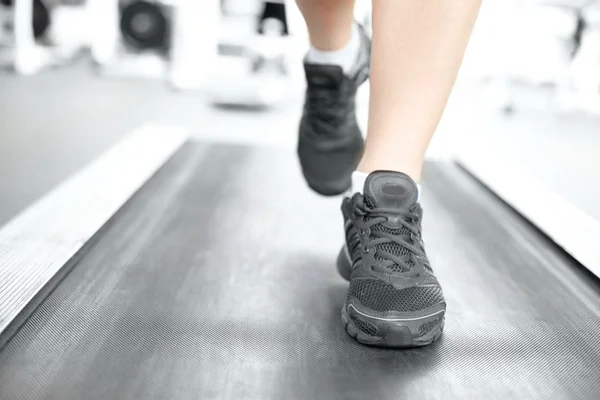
<point>144,26</point>
<point>41,19</point>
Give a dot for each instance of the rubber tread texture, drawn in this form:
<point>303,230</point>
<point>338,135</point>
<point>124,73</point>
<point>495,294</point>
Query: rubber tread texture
<point>214,283</point>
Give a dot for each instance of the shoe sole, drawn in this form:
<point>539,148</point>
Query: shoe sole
<point>329,189</point>
<point>393,333</point>
<point>388,332</point>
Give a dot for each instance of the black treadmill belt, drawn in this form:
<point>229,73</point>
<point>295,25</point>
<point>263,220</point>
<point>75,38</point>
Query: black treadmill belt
<point>217,280</point>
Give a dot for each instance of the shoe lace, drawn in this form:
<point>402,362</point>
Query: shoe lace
<point>407,237</point>
<point>328,105</point>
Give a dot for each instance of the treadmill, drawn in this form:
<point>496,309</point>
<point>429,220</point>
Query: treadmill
<point>174,268</point>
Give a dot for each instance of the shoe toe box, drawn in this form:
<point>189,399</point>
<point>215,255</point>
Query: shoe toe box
<point>380,296</point>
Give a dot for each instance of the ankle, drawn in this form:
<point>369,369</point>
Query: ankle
<point>411,169</point>
<point>333,51</point>
<point>330,41</point>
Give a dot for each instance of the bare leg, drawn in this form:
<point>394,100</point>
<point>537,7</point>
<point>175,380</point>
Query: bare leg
<point>417,50</point>
<point>329,22</point>
<point>418,47</point>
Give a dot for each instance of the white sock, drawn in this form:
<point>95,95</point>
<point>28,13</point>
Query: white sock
<point>344,57</point>
<point>358,184</point>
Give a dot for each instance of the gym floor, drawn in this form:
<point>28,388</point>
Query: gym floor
<point>54,123</point>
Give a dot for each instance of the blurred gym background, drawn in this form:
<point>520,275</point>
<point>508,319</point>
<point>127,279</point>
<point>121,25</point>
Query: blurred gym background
<point>78,75</point>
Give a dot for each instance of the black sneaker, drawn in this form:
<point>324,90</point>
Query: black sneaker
<point>330,142</point>
<point>394,299</point>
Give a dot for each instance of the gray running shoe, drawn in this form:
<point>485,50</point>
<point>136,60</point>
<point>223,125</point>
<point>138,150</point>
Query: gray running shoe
<point>330,143</point>
<point>394,299</point>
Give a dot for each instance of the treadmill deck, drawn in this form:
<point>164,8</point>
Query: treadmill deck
<point>217,280</point>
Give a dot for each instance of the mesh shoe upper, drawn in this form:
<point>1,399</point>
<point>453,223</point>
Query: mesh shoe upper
<point>330,102</point>
<point>330,94</point>
<point>330,141</point>
<point>380,296</point>
<point>390,271</point>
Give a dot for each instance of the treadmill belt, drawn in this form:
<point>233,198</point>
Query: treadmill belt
<point>218,280</point>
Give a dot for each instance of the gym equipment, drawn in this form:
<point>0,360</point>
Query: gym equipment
<point>70,27</point>
<point>195,44</point>
<point>204,285</point>
<point>263,77</point>
<point>273,19</point>
<point>175,41</point>
<point>134,38</point>
<point>40,19</point>
<point>47,34</point>
<point>144,25</point>
<point>262,80</point>
<point>6,25</point>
